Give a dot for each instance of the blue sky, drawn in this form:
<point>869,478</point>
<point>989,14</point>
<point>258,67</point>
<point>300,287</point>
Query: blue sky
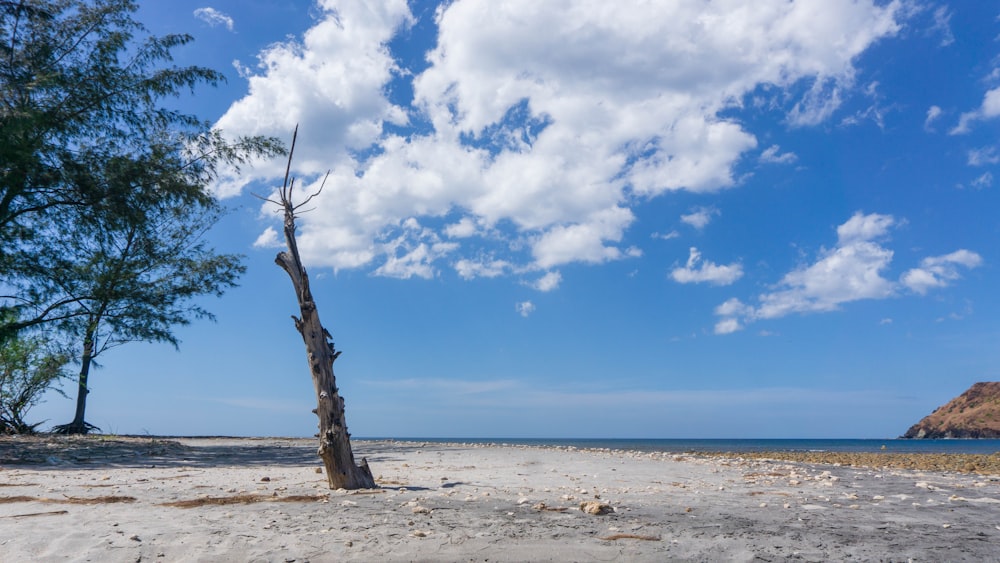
<point>590,219</point>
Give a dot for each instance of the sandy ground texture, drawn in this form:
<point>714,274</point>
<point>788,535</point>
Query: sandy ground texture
<point>109,499</point>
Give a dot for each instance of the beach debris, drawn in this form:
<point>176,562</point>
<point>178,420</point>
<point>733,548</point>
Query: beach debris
<point>243,499</point>
<point>616,537</point>
<point>596,508</point>
<point>54,512</point>
<point>68,500</point>
<point>135,537</point>
<point>421,510</point>
<point>543,506</point>
<point>419,534</point>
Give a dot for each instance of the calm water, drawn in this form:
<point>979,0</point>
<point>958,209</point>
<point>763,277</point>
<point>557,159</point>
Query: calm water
<point>747,445</point>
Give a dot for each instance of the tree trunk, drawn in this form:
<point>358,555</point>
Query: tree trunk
<point>334,440</point>
<point>79,424</point>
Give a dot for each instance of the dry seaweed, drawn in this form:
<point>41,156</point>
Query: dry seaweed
<point>242,499</point>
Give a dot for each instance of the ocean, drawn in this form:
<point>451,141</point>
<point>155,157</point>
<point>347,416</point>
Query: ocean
<point>743,445</point>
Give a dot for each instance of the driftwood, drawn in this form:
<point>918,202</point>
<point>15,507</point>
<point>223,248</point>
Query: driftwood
<point>334,440</point>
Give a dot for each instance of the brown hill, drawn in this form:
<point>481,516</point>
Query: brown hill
<point>973,414</point>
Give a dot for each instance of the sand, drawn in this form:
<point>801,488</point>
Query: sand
<point>227,499</point>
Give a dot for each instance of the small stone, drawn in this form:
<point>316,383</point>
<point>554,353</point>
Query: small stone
<point>596,508</point>
<point>421,510</point>
<point>265,479</point>
<point>134,537</point>
<point>319,470</point>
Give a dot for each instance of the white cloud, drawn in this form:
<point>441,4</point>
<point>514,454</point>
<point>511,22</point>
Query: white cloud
<point>771,156</point>
<point>465,228</point>
<point>583,242</point>
<point>983,156</point>
<point>984,180</point>
<point>851,271</point>
<point>939,271</point>
<point>698,271</point>
<point>543,124</point>
<point>525,308</point>
<point>933,113</point>
<point>548,282</point>
<point>213,17</point>
<point>700,218</point>
<point>942,25</point>
<point>666,236</point>
<point>989,109</point>
<point>732,307</point>
<point>728,326</point>
<point>491,268</point>
<point>861,227</point>
<point>818,104</point>
<point>268,239</point>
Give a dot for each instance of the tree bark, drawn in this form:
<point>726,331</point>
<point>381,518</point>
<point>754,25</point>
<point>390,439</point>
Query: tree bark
<point>334,439</point>
<point>79,424</point>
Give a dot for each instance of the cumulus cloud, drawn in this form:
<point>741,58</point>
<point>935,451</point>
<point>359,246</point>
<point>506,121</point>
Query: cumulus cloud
<point>213,17</point>
<point>484,268</point>
<point>989,109</point>
<point>525,308</point>
<point>548,282</point>
<point>728,326</point>
<point>543,124</point>
<point>852,270</point>
<point>700,218</point>
<point>703,271</point>
<point>939,271</point>
<point>268,239</point>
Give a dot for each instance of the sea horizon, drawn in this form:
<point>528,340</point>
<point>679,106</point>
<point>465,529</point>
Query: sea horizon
<point>695,445</point>
<point>981,446</point>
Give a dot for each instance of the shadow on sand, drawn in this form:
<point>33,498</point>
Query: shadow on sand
<point>46,452</point>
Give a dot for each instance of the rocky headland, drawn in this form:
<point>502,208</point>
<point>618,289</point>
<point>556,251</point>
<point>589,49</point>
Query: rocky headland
<point>973,414</point>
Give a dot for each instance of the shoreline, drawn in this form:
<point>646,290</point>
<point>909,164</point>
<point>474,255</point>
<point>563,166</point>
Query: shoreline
<point>242,499</point>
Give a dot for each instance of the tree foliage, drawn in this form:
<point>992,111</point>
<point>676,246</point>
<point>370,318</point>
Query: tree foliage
<point>104,198</point>
<point>28,368</point>
<point>84,131</point>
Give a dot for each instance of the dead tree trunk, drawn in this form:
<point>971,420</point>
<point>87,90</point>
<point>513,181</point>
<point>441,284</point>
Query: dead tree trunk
<point>334,440</point>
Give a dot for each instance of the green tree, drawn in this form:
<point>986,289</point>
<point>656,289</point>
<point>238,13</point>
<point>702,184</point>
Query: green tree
<point>128,277</point>
<point>82,87</point>
<point>28,368</point>
<point>103,188</point>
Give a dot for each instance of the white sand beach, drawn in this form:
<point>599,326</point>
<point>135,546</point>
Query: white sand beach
<point>110,499</point>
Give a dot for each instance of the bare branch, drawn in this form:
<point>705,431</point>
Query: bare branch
<point>319,191</point>
<point>267,199</point>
